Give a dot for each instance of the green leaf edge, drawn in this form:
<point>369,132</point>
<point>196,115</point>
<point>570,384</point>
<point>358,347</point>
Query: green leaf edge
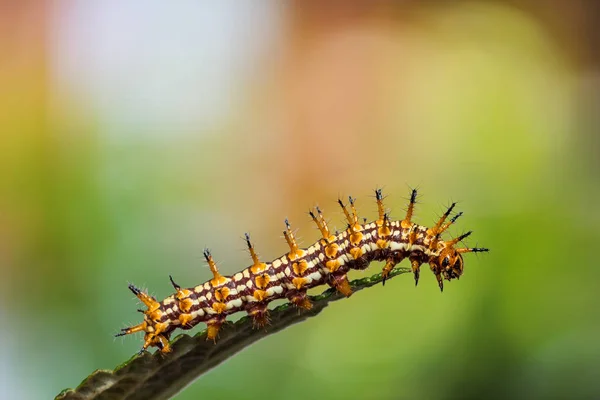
<point>157,376</point>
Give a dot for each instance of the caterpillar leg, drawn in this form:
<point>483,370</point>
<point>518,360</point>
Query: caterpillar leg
<point>261,319</point>
<point>341,284</point>
<point>163,344</point>
<point>160,341</point>
<point>389,266</point>
<point>212,328</point>
<point>300,299</point>
<point>416,269</point>
<point>260,316</point>
<point>440,281</point>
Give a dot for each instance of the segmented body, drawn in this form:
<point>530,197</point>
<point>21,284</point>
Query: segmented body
<point>291,275</point>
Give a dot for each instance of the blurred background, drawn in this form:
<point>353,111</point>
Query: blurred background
<point>134,134</point>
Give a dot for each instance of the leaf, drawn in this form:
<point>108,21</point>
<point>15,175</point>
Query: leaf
<point>159,376</point>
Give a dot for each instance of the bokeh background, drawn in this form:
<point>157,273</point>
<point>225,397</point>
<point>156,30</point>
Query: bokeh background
<point>133,134</point>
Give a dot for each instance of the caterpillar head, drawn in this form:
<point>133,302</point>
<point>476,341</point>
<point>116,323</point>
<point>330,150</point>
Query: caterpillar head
<point>448,264</point>
<point>451,263</point>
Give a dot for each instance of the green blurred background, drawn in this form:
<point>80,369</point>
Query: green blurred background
<point>134,134</point>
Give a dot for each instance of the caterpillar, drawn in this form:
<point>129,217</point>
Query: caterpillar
<point>326,262</point>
